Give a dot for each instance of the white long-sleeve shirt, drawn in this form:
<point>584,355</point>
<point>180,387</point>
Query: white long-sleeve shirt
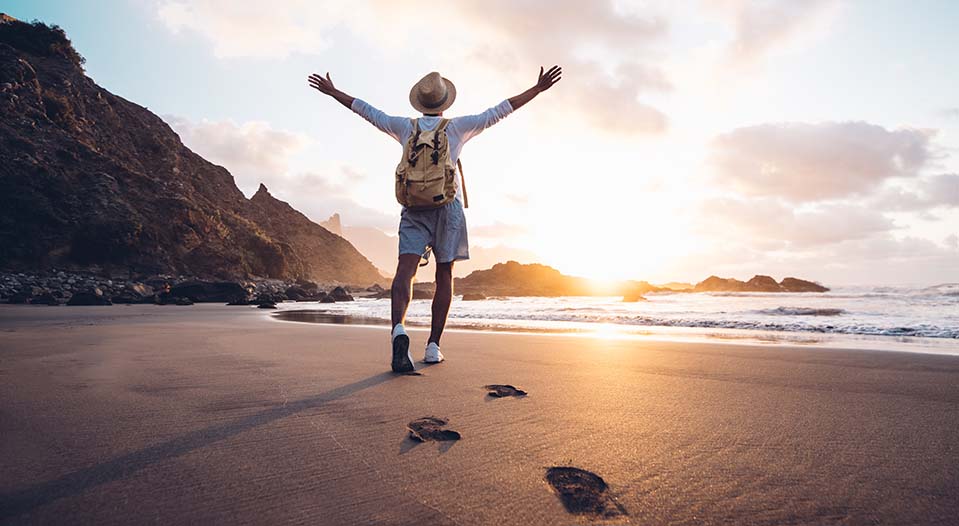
<point>458,131</point>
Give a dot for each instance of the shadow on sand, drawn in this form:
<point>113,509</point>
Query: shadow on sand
<point>23,501</point>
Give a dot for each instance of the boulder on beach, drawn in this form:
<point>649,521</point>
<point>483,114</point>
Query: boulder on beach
<point>209,291</point>
<point>376,287</point>
<point>45,298</point>
<point>327,298</point>
<point>266,305</point>
<point>92,296</point>
<point>20,297</point>
<point>297,293</point>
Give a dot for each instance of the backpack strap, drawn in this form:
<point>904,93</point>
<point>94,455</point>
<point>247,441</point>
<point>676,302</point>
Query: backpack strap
<point>466,199</point>
<point>413,153</point>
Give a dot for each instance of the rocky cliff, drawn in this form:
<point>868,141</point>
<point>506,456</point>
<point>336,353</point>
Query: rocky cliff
<point>89,179</point>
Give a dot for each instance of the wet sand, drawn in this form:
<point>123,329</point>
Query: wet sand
<point>211,414</point>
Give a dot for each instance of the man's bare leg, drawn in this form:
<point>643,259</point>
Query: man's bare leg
<point>402,290</point>
<point>442,298</point>
<point>400,293</point>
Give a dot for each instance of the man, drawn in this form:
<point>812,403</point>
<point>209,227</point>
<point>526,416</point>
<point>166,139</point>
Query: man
<point>440,230</point>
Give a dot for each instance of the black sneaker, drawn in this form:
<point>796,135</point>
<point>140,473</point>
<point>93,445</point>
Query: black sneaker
<point>402,359</point>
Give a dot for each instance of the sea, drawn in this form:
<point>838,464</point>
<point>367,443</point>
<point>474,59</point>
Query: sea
<point>919,319</point>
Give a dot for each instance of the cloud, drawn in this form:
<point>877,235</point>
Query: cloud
<point>607,90</point>
<point>809,162</point>
<point>772,225</point>
<point>252,29</point>
<point>494,33</point>
<point>762,27</point>
<point>930,192</point>
<point>499,230</point>
<point>950,113</point>
<point>255,153</point>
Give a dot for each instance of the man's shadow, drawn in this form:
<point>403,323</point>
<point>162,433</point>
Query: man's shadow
<point>25,500</point>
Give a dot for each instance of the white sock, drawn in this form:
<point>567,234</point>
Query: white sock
<point>397,331</point>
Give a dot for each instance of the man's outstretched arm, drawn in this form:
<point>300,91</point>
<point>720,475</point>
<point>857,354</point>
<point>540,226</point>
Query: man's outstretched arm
<point>545,82</point>
<point>396,127</point>
<point>469,126</point>
<point>326,87</point>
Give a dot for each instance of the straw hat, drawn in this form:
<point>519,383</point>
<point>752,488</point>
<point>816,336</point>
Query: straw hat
<point>432,94</point>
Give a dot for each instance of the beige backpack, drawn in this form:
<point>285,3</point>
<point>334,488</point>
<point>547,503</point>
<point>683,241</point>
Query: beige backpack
<point>425,176</point>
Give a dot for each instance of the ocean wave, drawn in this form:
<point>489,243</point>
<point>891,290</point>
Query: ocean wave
<point>801,311</point>
<point>919,330</point>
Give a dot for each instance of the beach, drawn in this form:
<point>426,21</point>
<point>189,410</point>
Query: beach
<point>224,415</point>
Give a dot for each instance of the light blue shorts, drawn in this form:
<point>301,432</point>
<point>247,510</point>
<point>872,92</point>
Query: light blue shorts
<point>442,230</point>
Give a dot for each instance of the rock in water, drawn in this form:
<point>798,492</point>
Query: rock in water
<point>473,296</point>
<point>801,285</point>
<point>717,284</point>
<point>633,296</point>
<point>763,284</point>
<point>340,294</point>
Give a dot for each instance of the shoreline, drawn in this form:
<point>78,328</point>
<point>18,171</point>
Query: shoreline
<point>718,335</point>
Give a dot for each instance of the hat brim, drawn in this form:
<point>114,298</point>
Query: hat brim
<point>415,102</point>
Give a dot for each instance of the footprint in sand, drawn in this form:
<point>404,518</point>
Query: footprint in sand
<point>431,428</point>
<point>583,493</point>
<point>501,391</point>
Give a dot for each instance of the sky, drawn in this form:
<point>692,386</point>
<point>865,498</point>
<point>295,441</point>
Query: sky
<point>809,138</point>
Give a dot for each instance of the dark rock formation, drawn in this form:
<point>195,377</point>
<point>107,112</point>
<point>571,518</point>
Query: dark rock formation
<point>340,294</point>
<point>633,296</point>
<point>89,297</point>
<point>88,179</point>
<point>763,284</point>
<point>758,283</point>
<point>801,285</point>
<point>717,284</point>
<point>297,293</point>
<point>45,298</point>
<point>209,291</point>
<point>515,279</point>
<point>474,296</point>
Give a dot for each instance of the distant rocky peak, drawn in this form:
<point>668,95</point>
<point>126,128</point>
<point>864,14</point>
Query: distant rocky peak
<point>5,18</point>
<point>262,191</point>
<point>333,224</point>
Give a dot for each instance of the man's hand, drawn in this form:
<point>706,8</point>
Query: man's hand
<point>326,87</point>
<point>323,85</point>
<point>546,80</point>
